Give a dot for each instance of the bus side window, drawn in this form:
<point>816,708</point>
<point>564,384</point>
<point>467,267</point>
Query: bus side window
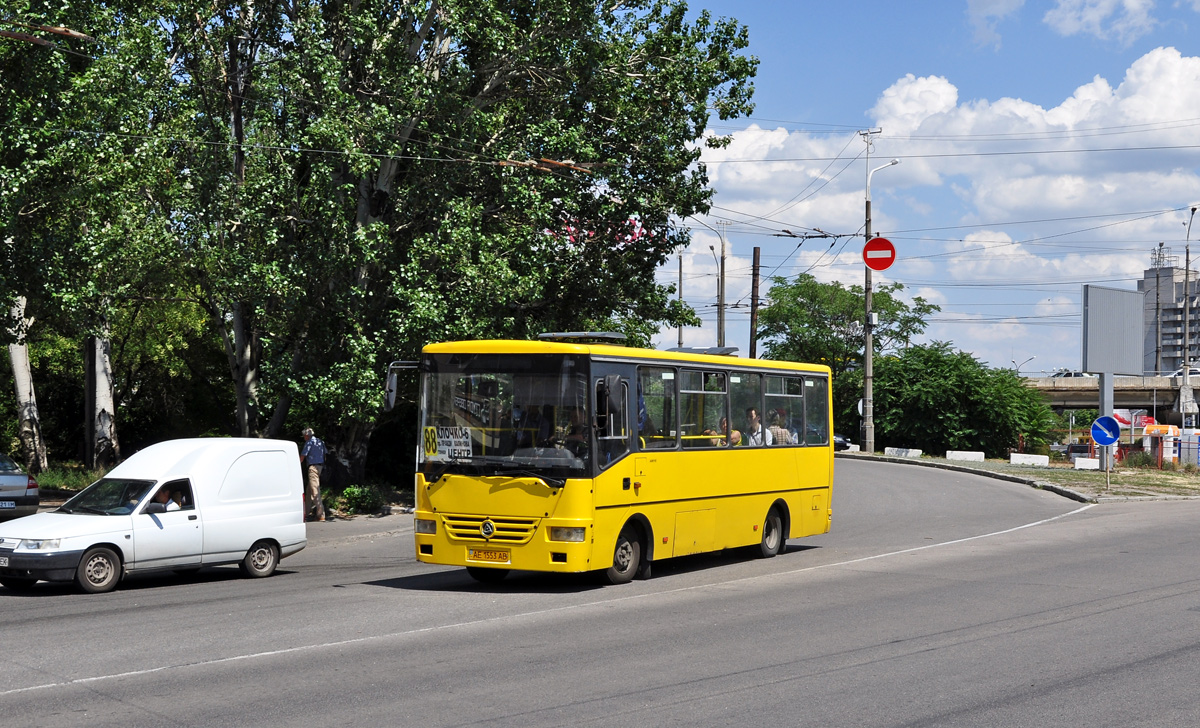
<point>816,414</point>
<point>656,408</point>
<point>784,414</point>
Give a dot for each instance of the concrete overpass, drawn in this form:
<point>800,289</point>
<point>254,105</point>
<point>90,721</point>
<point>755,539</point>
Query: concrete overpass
<point>1158,395</point>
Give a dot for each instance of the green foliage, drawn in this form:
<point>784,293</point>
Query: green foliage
<point>362,498</point>
<point>936,399</point>
<point>1140,459</point>
<point>68,477</point>
<point>822,323</point>
<point>313,189</point>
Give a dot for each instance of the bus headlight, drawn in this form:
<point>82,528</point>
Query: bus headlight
<point>424,525</point>
<point>562,533</point>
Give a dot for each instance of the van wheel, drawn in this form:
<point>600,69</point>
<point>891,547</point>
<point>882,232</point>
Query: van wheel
<point>772,534</point>
<point>261,560</point>
<point>99,571</point>
<point>484,575</point>
<point>17,583</point>
<point>627,557</point>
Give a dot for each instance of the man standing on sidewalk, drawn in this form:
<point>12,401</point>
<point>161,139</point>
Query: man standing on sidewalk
<point>313,455</point>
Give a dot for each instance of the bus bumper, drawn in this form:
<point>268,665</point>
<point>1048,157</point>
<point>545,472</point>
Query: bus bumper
<point>538,553</point>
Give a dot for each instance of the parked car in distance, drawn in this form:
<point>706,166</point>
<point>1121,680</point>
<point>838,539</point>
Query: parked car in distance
<point>840,442</point>
<point>1193,372</point>
<point>1078,450</point>
<point>178,506</point>
<point>1063,373</point>
<point>18,491</point>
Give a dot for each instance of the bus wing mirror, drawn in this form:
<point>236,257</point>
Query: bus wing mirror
<point>393,382</point>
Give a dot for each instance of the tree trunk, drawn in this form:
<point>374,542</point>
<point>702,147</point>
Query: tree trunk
<point>104,446</point>
<point>29,426</point>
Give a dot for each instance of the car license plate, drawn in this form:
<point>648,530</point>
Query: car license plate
<point>3,561</point>
<point>8,504</point>
<point>492,556</point>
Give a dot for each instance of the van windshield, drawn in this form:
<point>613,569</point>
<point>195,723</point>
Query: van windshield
<point>108,497</point>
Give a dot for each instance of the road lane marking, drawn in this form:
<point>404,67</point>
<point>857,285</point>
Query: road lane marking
<point>535,613</point>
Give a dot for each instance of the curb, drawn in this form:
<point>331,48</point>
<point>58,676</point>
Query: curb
<point>1032,482</point>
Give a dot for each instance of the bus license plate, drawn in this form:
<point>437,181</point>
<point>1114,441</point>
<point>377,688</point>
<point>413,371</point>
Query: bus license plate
<point>3,561</point>
<point>8,504</point>
<point>492,556</point>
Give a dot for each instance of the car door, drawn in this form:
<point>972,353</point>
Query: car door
<point>168,538</point>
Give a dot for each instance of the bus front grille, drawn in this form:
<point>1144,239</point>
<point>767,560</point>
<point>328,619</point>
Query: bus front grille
<point>507,530</point>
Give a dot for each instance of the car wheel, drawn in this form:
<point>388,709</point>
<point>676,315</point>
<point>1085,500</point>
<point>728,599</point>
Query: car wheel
<point>627,557</point>
<point>484,575</point>
<point>260,560</point>
<point>772,534</point>
<point>17,583</point>
<point>99,571</point>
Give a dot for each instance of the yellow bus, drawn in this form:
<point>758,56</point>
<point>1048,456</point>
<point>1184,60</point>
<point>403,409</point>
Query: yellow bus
<point>577,454</point>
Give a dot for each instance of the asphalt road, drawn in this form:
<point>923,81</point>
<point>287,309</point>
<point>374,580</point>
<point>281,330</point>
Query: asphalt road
<point>938,599</point>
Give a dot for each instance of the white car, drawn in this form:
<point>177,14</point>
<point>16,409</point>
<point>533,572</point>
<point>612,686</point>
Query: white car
<point>179,505</point>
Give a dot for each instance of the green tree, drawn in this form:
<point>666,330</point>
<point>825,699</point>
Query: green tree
<point>936,399</point>
<point>822,323</point>
<point>336,184</point>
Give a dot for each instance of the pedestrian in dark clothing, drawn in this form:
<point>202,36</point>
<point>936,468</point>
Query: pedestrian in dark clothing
<point>313,456</point>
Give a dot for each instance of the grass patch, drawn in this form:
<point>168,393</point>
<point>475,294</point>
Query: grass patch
<point>72,477</point>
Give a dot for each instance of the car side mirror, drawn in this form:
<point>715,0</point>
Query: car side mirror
<point>156,507</point>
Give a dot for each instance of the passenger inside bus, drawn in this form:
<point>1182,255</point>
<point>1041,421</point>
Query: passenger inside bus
<point>756,434</point>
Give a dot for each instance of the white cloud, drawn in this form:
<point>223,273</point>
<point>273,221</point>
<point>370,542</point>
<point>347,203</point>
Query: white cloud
<point>984,15</point>
<point>1122,20</point>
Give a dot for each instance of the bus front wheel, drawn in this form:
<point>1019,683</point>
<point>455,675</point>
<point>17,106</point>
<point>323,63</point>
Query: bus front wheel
<point>772,534</point>
<point>627,557</point>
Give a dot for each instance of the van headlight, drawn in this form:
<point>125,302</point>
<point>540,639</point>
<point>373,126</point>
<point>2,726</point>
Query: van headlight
<point>424,525</point>
<point>563,533</point>
<point>45,544</point>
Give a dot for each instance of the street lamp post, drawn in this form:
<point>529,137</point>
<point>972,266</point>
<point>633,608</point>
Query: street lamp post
<point>1017,367</point>
<point>720,280</point>
<point>868,413</point>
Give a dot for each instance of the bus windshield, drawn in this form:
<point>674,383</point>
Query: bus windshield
<point>506,414</point>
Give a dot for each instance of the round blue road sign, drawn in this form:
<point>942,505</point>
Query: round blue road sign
<point>1106,430</point>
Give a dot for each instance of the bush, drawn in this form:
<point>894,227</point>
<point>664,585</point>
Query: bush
<point>68,477</point>
<point>1140,459</point>
<point>362,498</point>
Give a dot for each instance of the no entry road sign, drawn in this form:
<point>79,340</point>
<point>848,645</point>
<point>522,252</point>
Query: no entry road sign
<point>879,253</point>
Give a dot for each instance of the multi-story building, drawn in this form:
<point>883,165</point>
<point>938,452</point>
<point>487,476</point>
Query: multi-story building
<point>1162,286</point>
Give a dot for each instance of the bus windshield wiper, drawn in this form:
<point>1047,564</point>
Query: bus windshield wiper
<point>514,469</point>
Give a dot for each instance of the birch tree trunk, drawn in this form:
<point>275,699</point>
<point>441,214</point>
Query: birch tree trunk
<point>105,449</point>
<point>29,426</point>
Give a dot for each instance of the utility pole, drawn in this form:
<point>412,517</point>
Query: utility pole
<point>1187,298</point>
<point>681,296</point>
<point>721,290</point>
<point>754,305</point>
<point>868,413</point>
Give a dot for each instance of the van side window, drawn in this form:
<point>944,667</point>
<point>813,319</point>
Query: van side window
<point>181,493</point>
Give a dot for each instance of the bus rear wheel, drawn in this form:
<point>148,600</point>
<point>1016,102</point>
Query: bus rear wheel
<point>627,557</point>
<point>772,534</point>
<point>485,575</point>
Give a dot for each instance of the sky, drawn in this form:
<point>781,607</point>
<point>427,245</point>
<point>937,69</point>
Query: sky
<point>1042,146</point>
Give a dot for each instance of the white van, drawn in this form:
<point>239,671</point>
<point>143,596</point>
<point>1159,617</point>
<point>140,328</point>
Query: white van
<point>178,505</point>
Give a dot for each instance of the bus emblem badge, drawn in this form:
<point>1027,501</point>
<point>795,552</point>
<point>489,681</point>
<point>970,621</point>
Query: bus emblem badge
<point>487,528</point>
